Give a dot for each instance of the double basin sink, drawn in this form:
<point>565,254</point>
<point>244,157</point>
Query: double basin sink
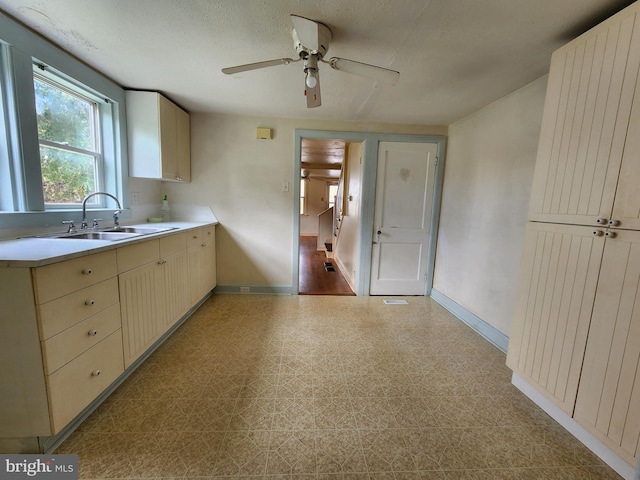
<point>112,234</point>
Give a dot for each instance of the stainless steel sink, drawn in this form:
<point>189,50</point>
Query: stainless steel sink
<point>112,236</point>
<point>111,233</point>
<point>139,230</point>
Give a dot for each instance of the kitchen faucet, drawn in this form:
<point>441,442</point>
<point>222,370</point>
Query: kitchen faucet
<point>116,221</point>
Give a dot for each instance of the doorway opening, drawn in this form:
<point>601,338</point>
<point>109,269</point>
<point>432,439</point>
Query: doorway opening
<point>327,239</point>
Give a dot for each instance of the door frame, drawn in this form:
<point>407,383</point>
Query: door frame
<point>370,143</point>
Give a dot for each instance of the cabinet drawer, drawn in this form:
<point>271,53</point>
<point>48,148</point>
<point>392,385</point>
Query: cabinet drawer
<point>173,244</point>
<point>79,382</point>
<point>67,345</point>
<point>53,281</point>
<point>64,312</point>
<point>194,238</point>
<point>138,254</point>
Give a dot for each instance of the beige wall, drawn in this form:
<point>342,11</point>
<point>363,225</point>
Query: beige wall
<point>240,178</point>
<point>347,247</point>
<point>487,182</point>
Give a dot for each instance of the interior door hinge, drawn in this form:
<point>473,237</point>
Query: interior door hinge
<point>436,160</point>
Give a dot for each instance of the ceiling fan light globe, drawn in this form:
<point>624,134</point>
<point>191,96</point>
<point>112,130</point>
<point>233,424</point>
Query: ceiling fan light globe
<point>311,81</point>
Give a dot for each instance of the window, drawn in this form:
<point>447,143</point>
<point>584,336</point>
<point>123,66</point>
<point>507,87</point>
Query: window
<point>333,191</point>
<point>304,182</point>
<point>70,157</point>
<point>62,133</point>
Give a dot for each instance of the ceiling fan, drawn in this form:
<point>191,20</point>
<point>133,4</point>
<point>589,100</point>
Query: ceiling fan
<point>311,40</point>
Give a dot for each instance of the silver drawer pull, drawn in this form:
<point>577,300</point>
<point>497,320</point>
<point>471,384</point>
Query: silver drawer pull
<point>614,223</point>
<point>92,333</point>
<point>598,233</point>
<point>601,221</point>
<point>95,373</point>
<point>89,302</point>
<point>87,271</point>
<point>611,234</point>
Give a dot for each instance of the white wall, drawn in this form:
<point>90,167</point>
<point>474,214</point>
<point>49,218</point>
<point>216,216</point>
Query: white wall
<point>240,178</point>
<point>487,182</point>
<point>316,203</point>
<point>347,248</point>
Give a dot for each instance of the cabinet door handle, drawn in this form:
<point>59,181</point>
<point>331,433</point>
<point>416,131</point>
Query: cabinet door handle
<point>89,302</point>
<point>87,271</point>
<point>95,373</point>
<point>92,333</point>
<point>614,223</point>
<point>602,221</point>
<point>598,233</point>
<point>611,234</point>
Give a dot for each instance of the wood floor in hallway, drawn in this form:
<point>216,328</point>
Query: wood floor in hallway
<point>314,277</point>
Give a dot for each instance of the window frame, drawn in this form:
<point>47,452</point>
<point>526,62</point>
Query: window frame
<point>22,199</point>
<point>45,75</point>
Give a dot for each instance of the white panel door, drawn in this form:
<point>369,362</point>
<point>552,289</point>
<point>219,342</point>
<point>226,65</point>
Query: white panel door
<point>404,204</point>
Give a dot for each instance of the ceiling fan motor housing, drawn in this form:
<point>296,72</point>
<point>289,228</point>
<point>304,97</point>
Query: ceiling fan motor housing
<point>324,39</point>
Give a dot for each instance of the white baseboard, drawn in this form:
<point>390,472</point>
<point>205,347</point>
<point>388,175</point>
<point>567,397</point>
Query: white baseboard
<point>623,469</point>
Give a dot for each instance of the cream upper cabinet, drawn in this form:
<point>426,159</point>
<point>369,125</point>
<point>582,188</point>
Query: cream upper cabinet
<point>586,117</point>
<point>158,134</point>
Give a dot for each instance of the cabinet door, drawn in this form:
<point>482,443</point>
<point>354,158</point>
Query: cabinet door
<point>183,145</point>
<point>589,95</point>
<point>168,138</point>
<point>626,208</point>
<point>608,403</point>
<point>142,307</point>
<point>176,287</point>
<point>556,288</point>
<point>202,266</point>
<point>209,240</point>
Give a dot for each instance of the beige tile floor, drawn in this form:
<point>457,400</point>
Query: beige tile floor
<point>307,387</point>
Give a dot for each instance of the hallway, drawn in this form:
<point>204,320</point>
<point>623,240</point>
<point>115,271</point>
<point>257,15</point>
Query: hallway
<point>315,279</point>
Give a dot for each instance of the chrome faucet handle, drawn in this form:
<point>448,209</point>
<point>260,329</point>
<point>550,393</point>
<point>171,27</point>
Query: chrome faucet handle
<point>116,220</point>
<point>95,222</point>
<point>71,228</point>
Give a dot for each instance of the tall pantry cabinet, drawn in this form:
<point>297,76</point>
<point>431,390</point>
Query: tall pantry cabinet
<point>576,329</point>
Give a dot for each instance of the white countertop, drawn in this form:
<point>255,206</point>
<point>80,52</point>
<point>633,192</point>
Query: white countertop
<point>38,251</point>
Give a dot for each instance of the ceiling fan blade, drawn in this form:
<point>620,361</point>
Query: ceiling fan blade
<point>373,72</point>
<point>313,94</point>
<point>255,66</point>
<point>307,31</point>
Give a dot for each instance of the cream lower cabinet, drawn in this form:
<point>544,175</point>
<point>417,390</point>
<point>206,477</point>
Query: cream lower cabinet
<point>61,342</point>
<point>202,262</point>
<point>173,252</point>
<point>155,289</point>
<point>608,401</point>
<point>576,328</point>
<point>142,308</point>
<point>557,285</point>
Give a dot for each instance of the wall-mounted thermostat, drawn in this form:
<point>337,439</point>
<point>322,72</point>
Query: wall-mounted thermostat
<point>263,134</point>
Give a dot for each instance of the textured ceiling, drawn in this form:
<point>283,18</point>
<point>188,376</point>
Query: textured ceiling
<point>454,56</point>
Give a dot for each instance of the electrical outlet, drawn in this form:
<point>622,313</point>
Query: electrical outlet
<point>244,289</point>
<point>135,198</point>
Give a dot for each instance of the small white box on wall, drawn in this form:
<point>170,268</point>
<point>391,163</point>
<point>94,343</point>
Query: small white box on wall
<point>263,133</point>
